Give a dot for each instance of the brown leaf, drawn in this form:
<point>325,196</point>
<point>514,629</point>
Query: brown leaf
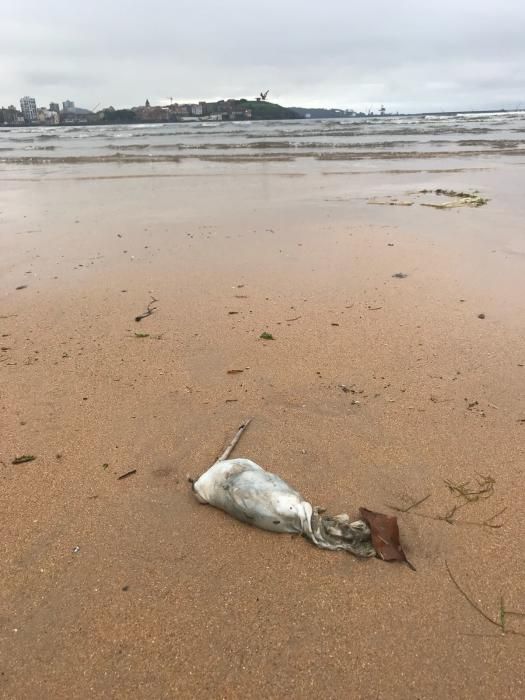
<point>385,536</point>
<point>235,371</point>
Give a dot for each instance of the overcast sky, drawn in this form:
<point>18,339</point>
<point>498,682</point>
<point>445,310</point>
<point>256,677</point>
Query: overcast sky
<point>410,55</point>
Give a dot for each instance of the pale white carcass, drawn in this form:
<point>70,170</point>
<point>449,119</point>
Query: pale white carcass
<point>255,496</point>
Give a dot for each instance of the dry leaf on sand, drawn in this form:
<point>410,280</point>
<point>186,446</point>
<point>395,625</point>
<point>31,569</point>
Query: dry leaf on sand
<point>385,536</point>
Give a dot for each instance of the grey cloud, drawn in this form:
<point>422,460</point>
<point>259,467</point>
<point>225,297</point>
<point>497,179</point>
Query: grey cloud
<point>409,55</point>
<point>55,78</point>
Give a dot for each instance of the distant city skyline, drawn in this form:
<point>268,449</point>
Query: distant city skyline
<point>309,102</point>
<point>409,56</point>
<point>71,106</point>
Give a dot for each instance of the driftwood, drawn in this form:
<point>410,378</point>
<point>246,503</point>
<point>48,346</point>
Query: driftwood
<point>227,452</point>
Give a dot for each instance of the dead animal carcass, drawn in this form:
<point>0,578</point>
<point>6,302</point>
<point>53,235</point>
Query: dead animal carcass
<point>249,493</point>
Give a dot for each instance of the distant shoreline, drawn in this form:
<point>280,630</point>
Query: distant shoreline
<point>453,113</point>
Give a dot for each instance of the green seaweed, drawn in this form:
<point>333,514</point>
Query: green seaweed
<point>466,199</point>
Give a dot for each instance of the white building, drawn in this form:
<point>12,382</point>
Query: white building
<point>28,108</point>
<point>47,116</point>
<point>68,106</point>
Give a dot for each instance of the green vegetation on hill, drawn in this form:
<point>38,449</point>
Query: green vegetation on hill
<point>230,109</point>
<point>268,110</point>
<point>119,115</point>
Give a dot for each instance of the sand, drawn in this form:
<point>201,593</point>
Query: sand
<point>129,588</point>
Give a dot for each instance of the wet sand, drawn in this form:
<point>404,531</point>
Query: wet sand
<point>129,588</point>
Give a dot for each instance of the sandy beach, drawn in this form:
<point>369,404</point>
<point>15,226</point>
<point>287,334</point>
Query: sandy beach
<point>374,392</point>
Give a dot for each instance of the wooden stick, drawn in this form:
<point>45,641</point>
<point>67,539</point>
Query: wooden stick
<point>235,440</point>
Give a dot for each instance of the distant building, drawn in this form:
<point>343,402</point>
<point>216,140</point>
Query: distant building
<point>10,116</point>
<point>68,106</point>
<point>152,114</point>
<point>47,116</point>
<point>179,110</point>
<point>54,107</point>
<point>28,107</point>
<point>75,117</point>
<point>197,110</point>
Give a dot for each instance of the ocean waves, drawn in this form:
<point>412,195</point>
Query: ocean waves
<point>388,138</point>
